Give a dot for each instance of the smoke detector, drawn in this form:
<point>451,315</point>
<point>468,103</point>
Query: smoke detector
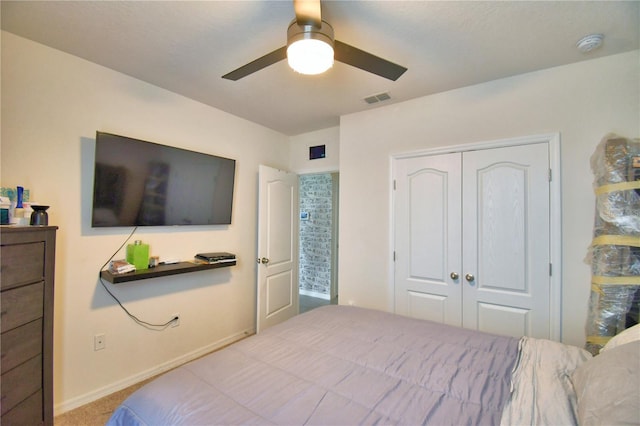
<point>589,43</point>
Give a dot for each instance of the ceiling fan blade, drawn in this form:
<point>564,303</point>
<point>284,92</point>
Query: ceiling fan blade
<point>260,63</point>
<point>366,61</point>
<point>308,12</point>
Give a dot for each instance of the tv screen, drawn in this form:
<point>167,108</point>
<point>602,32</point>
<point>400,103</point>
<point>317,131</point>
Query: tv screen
<point>139,183</point>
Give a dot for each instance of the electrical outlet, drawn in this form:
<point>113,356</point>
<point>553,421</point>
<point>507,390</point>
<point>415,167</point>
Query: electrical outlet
<point>99,342</point>
<point>175,322</point>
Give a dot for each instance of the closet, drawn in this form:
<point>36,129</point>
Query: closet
<point>473,238</point>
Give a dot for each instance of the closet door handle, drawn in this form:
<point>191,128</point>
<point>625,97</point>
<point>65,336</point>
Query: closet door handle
<point>454,275</point>
<point>263,260</point>
<point>469,277</point>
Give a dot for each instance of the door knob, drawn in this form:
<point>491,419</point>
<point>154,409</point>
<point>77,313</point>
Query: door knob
<point>454,275</point>
<point>469,277</point>
<point>262,260</point>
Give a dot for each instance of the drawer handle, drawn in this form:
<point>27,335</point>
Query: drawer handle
<point>4,312</point>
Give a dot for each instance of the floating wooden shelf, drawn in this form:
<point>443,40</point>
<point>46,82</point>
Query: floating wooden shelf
<point>162,271</point>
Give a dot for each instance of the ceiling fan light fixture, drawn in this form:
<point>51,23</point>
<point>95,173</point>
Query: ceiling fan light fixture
<point>310,56</point>
<point>309,48</point>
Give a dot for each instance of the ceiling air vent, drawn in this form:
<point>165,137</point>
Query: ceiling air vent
<point>377,98</point>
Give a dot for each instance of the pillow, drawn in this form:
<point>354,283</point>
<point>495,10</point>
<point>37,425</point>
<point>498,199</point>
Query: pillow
<point>608,387</point>
<point>629,335</point>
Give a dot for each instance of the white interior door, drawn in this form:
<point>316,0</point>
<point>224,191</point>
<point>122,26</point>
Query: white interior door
<point>428,241</point>
<point>506,240</point>
<point>277,276</point>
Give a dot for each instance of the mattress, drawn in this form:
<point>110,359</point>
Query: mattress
<point>337,365</point>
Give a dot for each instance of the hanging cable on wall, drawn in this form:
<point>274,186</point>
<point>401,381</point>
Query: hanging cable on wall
<point>132,316</point>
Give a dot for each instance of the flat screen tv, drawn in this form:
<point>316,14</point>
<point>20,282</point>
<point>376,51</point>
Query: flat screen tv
<point>139,183</point>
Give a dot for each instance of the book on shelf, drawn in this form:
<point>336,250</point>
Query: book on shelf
<point>120,267</point>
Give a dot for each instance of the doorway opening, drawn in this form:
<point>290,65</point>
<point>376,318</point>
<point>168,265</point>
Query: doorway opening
<point>318,240</point>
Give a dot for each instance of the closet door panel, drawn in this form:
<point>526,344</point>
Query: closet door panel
<point>427,231</point>
<point>428,306</point>
<point>506,240</point>
<point>506,320</point>
<point>501,220</point>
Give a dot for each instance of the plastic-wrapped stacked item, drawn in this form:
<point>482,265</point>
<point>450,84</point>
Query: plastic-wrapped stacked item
<point>615,250</point>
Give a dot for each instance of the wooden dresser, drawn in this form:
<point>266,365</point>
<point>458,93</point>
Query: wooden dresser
<point>27,262</point>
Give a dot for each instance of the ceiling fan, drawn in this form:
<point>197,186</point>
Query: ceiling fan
<point>308,24</point>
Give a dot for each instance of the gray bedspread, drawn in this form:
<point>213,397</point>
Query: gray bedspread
<point>337,365</point>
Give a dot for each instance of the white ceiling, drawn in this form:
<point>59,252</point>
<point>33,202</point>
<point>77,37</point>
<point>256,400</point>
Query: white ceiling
<point>186,47</point>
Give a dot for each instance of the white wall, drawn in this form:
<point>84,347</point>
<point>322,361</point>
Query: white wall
<point>582,101</point>
<point>299,151</point>
<point>52,105</point>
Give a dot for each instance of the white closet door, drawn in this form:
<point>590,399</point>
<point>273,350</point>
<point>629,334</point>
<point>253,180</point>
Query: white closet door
<point>506,240</point>
<point>472,239</point>
<point>427,231</point>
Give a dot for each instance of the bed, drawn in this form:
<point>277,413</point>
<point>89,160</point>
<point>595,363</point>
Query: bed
<point>343,365</point>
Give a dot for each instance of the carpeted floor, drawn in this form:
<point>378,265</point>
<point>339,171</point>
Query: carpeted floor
<point>97,412</point>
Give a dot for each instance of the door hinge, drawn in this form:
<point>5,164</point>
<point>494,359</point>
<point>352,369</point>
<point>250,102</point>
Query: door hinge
<point>550,269</point>
<point>394,255</point>
<point>550,175</point>
<point>394,184</point>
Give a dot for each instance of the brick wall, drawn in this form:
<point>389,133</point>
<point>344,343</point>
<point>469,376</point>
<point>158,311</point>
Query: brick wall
<point>315,233</point>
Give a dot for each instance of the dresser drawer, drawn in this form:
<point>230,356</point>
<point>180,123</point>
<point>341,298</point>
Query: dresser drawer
<point>20,383</point>
<point>21,305</point>
<point>21,264</point>
<point>20,344</point>
<point>28,412</point>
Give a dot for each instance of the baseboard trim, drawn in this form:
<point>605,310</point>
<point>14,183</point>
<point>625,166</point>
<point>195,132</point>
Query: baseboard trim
<point>162,368</point>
